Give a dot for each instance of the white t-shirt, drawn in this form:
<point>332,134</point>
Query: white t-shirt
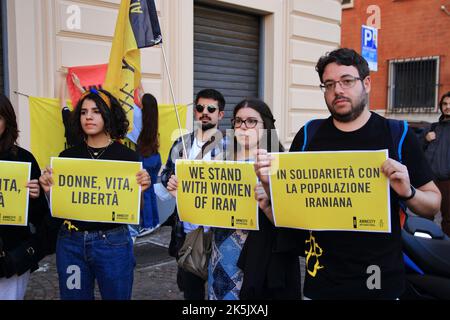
<point>196,148</point>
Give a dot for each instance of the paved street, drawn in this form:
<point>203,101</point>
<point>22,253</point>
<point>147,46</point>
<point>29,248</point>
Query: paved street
<point>154,276</point>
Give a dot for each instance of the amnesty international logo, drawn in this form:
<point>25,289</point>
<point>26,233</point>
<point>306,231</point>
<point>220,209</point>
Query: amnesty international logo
<point>312,255</point>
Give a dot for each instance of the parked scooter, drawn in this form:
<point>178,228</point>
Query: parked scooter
<point>426,251</point>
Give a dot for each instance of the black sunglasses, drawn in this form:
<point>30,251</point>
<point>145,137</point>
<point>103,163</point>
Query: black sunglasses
<point>211,108</point>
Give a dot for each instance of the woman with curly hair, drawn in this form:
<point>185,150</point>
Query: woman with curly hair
<point>86,251</point>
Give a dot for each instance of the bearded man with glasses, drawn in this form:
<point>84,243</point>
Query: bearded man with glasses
<point>346,258</point>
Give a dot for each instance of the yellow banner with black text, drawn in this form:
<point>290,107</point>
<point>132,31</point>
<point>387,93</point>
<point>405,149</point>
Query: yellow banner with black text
<point>14,177</point>
<point>95,190</point>
<point>331,191</point>
<point>217,193</point>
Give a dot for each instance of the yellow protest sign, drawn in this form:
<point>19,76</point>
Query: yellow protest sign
<point>13,192</point>
<point>331,191</point>
<point>95,190</point>
<point>217,193</point>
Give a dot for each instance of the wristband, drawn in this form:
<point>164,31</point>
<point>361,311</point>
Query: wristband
<point>413,193</point>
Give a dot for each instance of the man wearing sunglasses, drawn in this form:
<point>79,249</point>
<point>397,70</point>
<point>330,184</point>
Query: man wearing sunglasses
<point>343,262</point>
<point>207,143</point>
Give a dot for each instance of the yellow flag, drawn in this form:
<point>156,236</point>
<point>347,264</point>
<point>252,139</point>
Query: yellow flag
<point>168,127</point>
<point>135,28</point>
<point>47,129</point>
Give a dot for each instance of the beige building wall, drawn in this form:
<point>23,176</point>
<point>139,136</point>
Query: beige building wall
<point>314,29</point>
<point>44,36</point>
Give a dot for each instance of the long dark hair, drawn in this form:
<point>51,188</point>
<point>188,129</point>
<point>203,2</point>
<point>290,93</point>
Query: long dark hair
<point>148,141</point>
<point>114,117</point>
<point>270,135</point>
<point>9,137</point>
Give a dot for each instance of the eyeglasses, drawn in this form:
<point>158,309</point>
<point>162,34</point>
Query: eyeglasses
<point>211,108</point>
<point>345,83</point>
<point>249,122</point>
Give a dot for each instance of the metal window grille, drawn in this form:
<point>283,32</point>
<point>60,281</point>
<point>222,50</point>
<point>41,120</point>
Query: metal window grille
<point>413,85</point>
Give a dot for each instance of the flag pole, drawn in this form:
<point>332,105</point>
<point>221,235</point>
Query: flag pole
<point>174,102</point>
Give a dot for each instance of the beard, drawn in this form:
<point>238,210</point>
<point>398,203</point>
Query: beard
<point>445,114</point>
<point>208,126</point>
<point>356,109</point>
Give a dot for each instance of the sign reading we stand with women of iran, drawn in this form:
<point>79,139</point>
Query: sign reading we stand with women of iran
<point>217,193</point>
<point>95,190</point>
<point>343,190</point>
<point>14,177</point>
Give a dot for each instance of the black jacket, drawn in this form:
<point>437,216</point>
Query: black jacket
<point>16,240</point>
<point>270,263</point>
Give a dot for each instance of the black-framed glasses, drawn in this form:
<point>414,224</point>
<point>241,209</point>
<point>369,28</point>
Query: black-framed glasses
<point>211,108</point>
<point>346,82</point>
<point>250,123</point>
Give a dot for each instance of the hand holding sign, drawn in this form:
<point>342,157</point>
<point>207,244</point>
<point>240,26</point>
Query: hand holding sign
<point>46,180</point>
<point>172,185</point>
<point>33,186</point>
<point>263,166</point>
<point>143,179</point>
<point>398,176</point>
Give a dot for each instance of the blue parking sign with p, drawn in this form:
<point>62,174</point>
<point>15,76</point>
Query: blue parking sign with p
<point>369,46</point>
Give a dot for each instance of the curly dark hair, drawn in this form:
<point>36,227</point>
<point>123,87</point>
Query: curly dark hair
<point>9,137</point>
<point>115,118</point>
<point>343,57</point>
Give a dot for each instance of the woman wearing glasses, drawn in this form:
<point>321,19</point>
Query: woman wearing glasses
<point>86,251</point>
<point>246,264</point>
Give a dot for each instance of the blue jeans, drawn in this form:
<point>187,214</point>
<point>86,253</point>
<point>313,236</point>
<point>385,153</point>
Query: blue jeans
<point>134,230</point>
<point>82,257</point>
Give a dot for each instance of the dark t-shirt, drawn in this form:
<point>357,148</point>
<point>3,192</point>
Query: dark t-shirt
<point>115,151</point>
<point>344,257</point>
